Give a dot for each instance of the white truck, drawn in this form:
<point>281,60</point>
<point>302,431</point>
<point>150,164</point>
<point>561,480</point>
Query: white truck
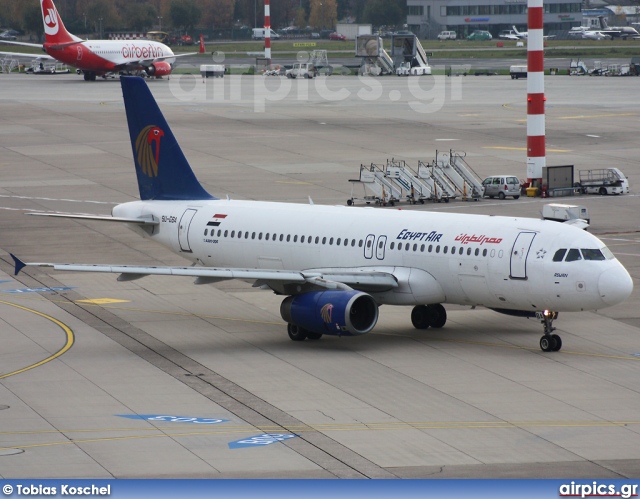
<point>258,34</point>
<point>603,181</point>
<point>302,69</point>
<point>565,212</point>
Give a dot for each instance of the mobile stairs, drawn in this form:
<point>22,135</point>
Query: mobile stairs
<point>377,188</point>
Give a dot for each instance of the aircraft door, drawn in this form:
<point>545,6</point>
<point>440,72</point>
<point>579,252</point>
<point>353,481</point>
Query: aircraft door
<point>183,229</point>
<point>519,254</point>
<point>368,246</point>
<point>380,247</point>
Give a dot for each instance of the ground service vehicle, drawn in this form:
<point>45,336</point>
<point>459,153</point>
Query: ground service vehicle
<point>501,186</point>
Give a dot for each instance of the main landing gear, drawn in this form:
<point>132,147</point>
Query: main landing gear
<point>549,342</point>
<point>297,333</point>
<point>424,316</point>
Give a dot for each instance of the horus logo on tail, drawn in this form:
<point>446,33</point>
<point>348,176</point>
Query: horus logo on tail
<point>50,15</point>
<point>148,155</point>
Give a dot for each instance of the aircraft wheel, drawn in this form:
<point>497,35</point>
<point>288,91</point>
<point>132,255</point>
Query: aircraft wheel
<point>314,336</point>
<point>437,315</point>
<point>501,195</point>
<point>548,343</point>
<point>296,333</point>
<point>349,202</point>
<point>420,317</point>
<point>558,341</point>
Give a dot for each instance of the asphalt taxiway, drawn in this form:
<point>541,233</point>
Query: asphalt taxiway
<point>161,378</point>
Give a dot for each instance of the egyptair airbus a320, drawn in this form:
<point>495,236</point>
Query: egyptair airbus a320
<point>99,57</point>
<point>336,265</point>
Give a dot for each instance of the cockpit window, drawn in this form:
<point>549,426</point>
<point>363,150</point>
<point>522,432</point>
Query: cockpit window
<point>573,255</point>
<point>607,253</point>
<point>559,256</point>
<point>592,254</point>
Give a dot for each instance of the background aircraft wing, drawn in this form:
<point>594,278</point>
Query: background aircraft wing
<point>275,279</point>
<point>510,37</point>
<point>22,55</point>
<point>23,44</point>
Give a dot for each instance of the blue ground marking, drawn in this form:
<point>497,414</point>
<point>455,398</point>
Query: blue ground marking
<point>35,290</point>
<point>172,419</point>
<point>260,440</point>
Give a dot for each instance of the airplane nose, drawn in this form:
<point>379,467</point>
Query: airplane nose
<point>615,285</point>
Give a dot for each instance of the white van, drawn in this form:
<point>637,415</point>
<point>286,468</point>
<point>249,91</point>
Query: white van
<point>258,34</point>
<point>501,186</point>
<point>447,35</point>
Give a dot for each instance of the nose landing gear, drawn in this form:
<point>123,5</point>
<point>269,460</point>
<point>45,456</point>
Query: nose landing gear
<point>549,342</point>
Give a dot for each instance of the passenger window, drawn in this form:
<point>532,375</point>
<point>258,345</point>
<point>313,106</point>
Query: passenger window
<point>438,249</point>
<point>477,251</point>
<point>559,256</point>
<point>368,243</point>
<point>324,240</point>
<point>422,248</point>
<point>233,233</point>
<point>468,251</point>
<point>281,237</point>
<point>288,237</point>
<point>415,247</point>
<point>346,242</point>
<point>461,250</point>
<point>444,250</point>
<point>338,241</point>
<point>484,252</point>
<point>573,255</point>
<point>266,236</point>
<point>302,239</point>
<point>253,235</point>
<point>239,234</point>
<point>360,243</point>
<point>317,239</point>
<point>225,233</point>
<point>430,248</point>
<point>592,254</point>
<point>259,236</point>
<point>295,239</point>
<point>399,246</point>
<point>380,244</point>
<point>392,245</point>
<point>219,233</point>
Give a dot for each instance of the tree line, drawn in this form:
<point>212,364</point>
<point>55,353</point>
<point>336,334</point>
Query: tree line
<point>92,16</point>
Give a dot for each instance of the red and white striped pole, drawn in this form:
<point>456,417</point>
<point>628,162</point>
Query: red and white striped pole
<point>267,33</point>
<point>535,92</point>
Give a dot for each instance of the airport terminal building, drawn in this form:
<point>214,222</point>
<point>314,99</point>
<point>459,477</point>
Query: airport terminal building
<point>427,18</point>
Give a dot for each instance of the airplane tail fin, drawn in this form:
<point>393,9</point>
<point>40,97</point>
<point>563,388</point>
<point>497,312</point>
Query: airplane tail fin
<point>54,30</point>
<point>603,22</point>
<point>162,170</point>
<point>515,30</point>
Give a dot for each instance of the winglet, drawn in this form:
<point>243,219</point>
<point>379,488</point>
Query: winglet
<point>19,264</point>
<point>162,170</point>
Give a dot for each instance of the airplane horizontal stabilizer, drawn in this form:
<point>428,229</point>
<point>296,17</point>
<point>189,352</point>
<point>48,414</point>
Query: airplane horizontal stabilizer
<point>137,221</point>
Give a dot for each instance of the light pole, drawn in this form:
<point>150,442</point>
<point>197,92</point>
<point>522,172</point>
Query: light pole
<point>160,23</point>
<point>100,19</point>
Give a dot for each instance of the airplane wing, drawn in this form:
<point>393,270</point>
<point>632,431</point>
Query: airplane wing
<point>346,279</point>
<point>510,37</point>
<point>156,59</point>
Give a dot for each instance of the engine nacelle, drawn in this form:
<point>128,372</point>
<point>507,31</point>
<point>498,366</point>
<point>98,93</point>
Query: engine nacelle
<point>159,68</point>
<point>334,312</point>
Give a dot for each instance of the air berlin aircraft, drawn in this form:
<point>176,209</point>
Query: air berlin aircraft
<point>100,57</point>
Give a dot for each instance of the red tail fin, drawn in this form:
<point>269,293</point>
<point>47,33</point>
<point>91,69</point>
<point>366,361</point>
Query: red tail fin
<point>201,44</point>
<point>54,29</point>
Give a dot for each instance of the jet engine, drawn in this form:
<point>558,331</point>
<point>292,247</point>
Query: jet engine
<point>159,68</point>
<point>341,313</point>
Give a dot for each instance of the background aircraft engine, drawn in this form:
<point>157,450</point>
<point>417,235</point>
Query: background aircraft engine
<point>160,68</point>
<point>348,313</point>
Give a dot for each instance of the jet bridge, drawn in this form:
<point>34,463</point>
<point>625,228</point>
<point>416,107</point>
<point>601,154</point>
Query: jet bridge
<point>375,59</point>
<point>460,174</point>
<point>409,56</point>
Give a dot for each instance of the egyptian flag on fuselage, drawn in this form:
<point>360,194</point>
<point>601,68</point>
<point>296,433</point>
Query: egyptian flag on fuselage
<point>217,219</point>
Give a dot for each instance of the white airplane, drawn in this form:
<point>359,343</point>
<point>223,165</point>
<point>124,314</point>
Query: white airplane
<point>520,35</point>
<point>605,32</point>
<point>98,57</point>
<point>587,33</point>
<point>336,265</point>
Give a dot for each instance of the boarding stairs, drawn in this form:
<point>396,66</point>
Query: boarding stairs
<point>460,174</point>
<point>375,59</point>
<point>376,187</point>
<point>440,185</point>
<point>407,52</point>
<point>417,191</point>
<point>7,65</point>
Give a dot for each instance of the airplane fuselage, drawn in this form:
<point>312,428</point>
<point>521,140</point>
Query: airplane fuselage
<point>104,56</point>
<point>497,262</point>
